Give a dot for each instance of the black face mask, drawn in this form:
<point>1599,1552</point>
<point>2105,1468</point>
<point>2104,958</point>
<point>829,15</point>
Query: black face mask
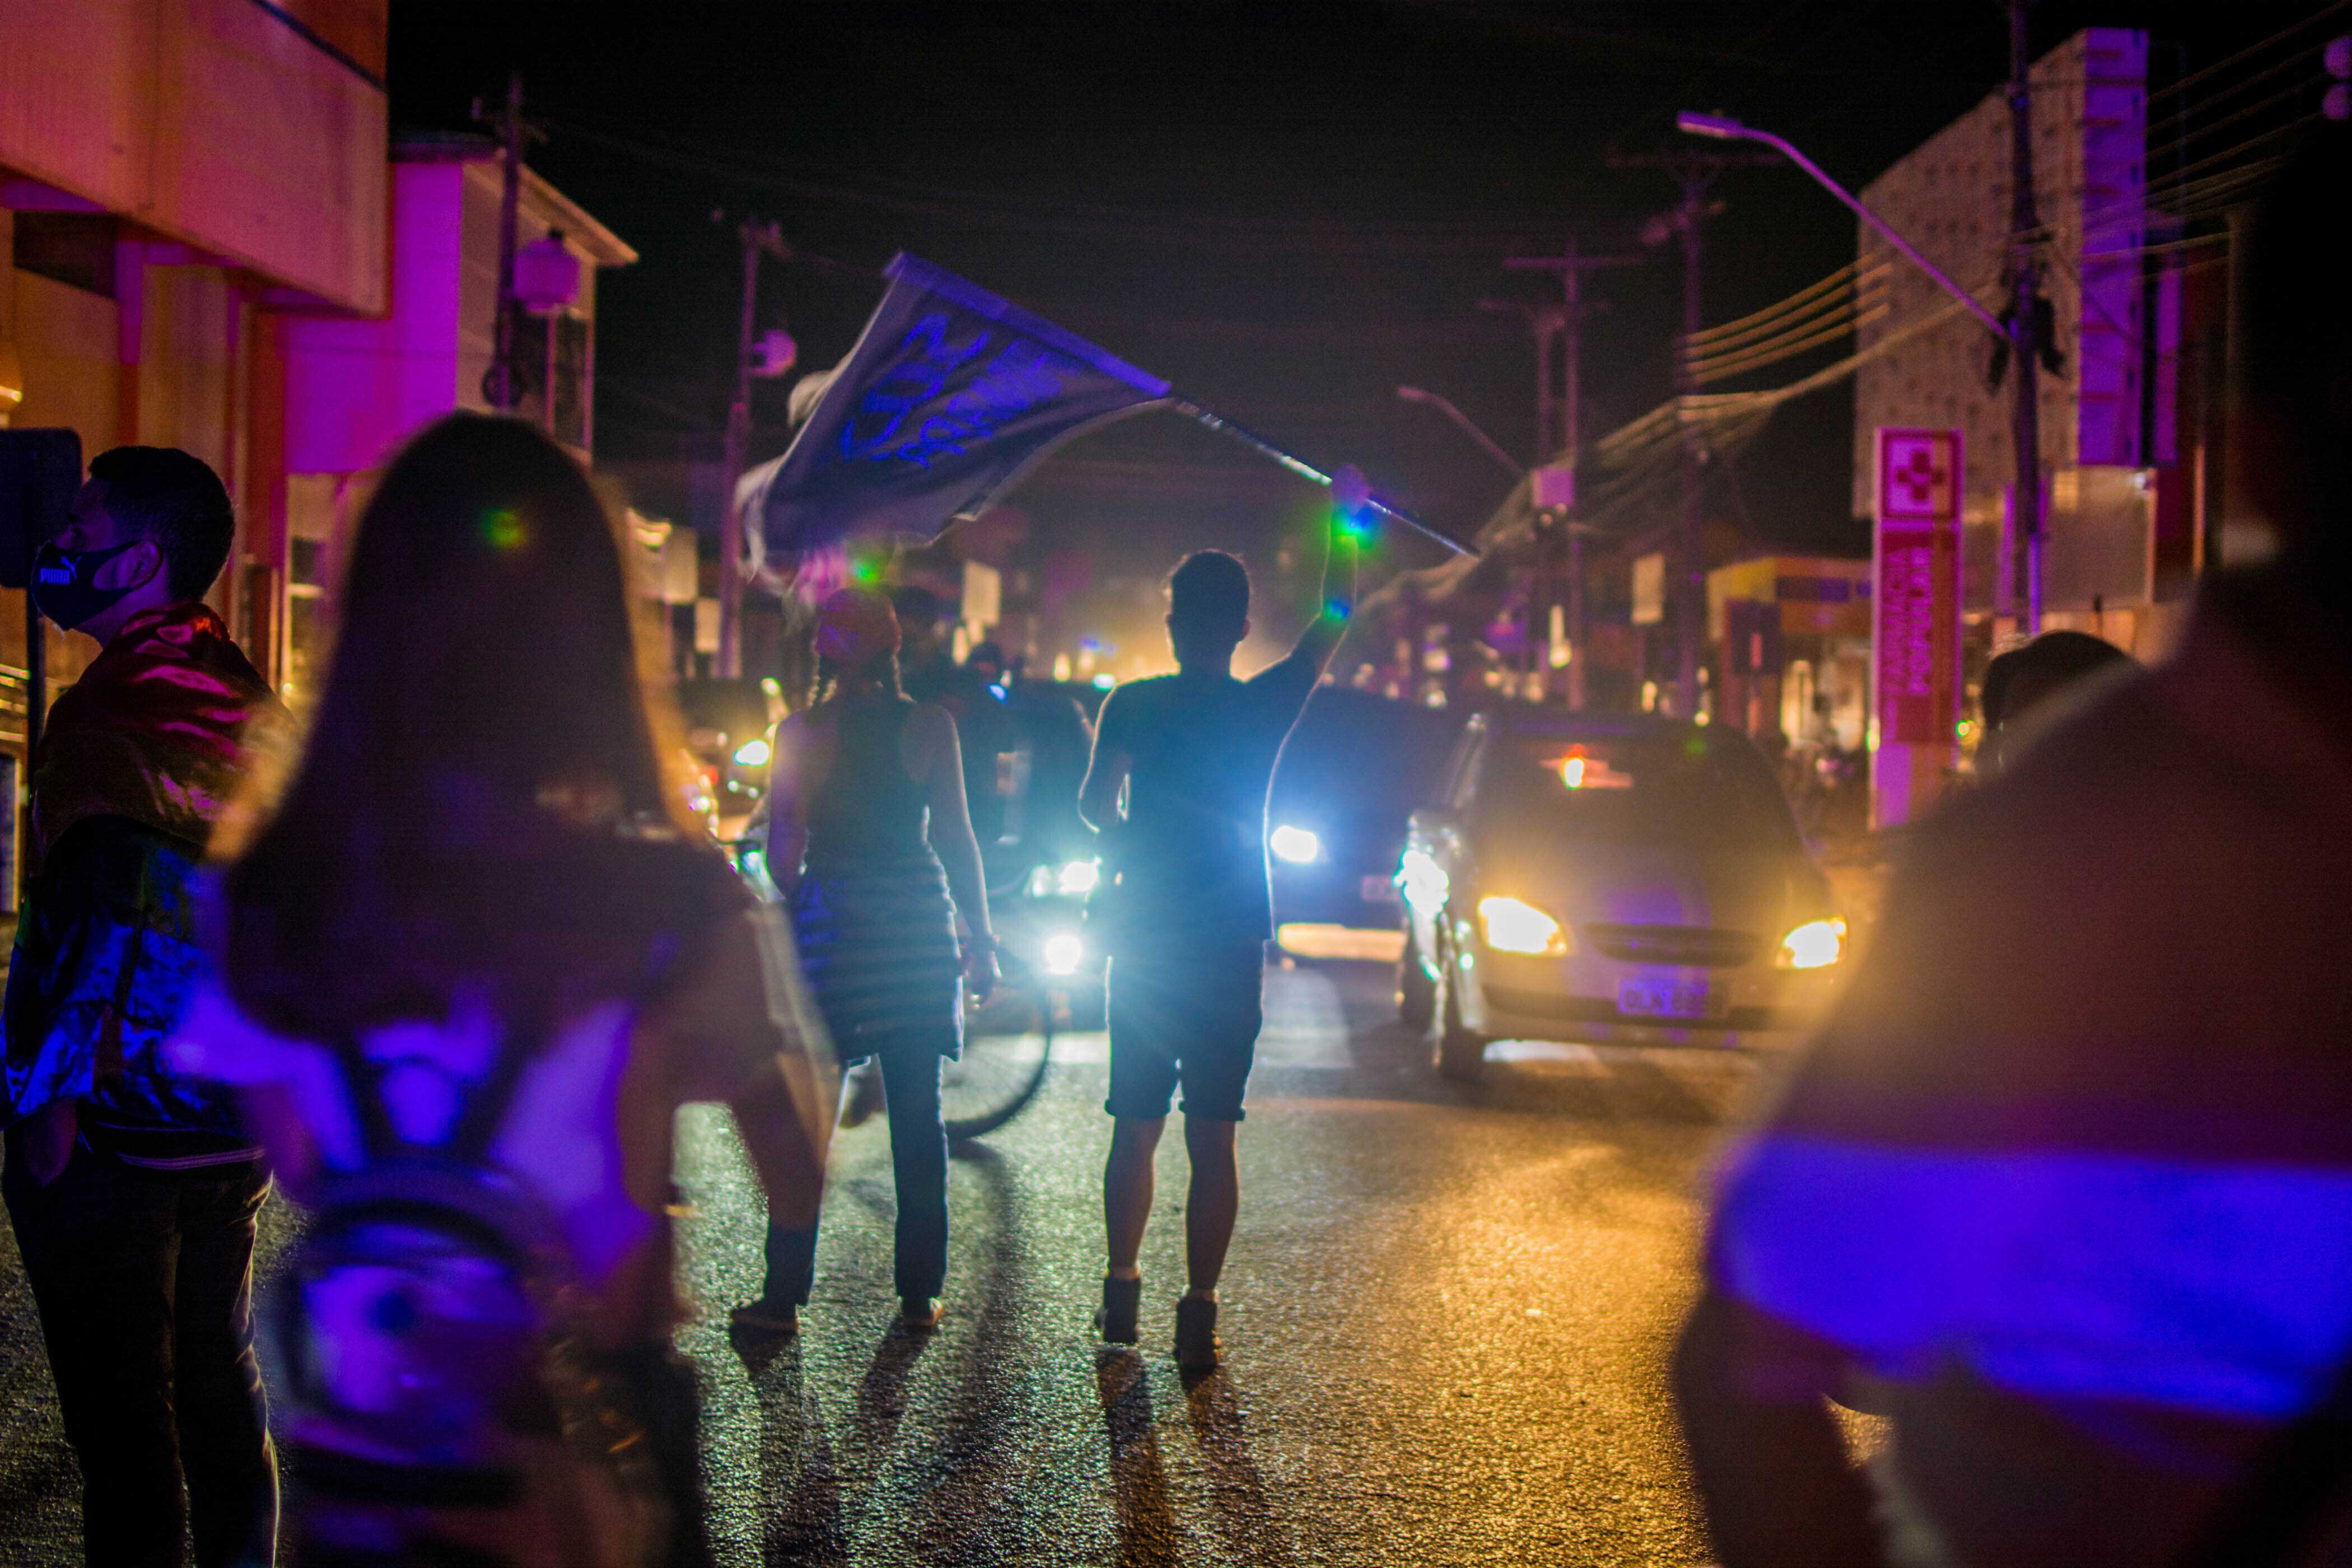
<point>61,584</point>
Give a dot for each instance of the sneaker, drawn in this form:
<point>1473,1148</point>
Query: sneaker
<point>1196,1334</point>
<point>1114,1320</point>
<point>775,1320</point>
<point>920,1312</point>
<point>864,1102</point>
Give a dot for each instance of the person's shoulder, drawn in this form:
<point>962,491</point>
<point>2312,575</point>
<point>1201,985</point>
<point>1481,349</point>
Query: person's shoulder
<point>1130,698</point>
<point>1289,678</point>
<point>930,716</point>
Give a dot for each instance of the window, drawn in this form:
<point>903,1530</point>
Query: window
<point>1698,789</point>
<point>567,368</point>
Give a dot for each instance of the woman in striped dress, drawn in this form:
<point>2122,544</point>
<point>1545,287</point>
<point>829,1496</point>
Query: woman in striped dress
<point>870,840</point>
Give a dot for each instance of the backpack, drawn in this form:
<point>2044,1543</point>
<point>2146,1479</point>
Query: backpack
<point>429,1327</point>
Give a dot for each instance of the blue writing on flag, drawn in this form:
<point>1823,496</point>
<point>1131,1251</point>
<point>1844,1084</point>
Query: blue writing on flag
<point>948,396</point>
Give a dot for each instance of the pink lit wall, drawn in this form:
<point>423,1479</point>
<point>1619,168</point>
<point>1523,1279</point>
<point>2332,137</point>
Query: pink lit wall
<point>356,389</point>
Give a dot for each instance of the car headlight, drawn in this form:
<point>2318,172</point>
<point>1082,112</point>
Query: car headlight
<point>1064,952</point>
<point>1296,845</point>
<point>1816,944</point>
<point>752,754</point>
<point>1071,878</point>
<point>1511,925</point>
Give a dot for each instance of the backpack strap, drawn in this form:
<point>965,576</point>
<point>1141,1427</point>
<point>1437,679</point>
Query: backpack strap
<point>379,1140</point>
<point>484,1104</point>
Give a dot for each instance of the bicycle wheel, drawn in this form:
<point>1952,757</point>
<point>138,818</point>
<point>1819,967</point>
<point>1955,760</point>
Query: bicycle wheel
<point>997,1075</point>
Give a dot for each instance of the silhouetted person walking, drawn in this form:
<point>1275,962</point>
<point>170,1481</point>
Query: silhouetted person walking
<point>1189,911</point>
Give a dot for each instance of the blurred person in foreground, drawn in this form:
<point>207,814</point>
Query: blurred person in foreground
<point>2068,1177</point>
<point>869,842</point>
<point>469,963</point>
<point>133,1191</point>
<point>2031,679</point>
<point>1189,911</point>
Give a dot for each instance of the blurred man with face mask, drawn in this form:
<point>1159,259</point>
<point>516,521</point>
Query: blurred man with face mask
<point>132,1190</point>
<point>2066,1182</point>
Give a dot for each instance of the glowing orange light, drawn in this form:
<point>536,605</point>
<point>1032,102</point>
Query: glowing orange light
<point>1578,771</point>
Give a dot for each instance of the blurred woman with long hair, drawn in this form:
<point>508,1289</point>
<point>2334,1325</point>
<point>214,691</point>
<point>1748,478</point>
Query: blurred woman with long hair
<point>870,837</point>
<point>471,962</point>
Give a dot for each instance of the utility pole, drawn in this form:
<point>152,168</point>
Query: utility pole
<point>1695,173</point>
<point>758,238</point>
<point>501,387</point>
<point>1571,269</point>
<point>2024,308</point>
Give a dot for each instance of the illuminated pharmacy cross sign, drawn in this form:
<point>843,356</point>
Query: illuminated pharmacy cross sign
<point>1917,478</point>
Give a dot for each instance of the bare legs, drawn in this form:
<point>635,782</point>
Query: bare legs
<point>1210,1202</point>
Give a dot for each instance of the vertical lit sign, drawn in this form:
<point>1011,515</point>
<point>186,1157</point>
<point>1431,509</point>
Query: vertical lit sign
<point>1916,628</point>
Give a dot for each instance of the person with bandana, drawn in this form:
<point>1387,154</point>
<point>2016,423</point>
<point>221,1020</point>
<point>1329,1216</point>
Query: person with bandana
<point>132,1190</point>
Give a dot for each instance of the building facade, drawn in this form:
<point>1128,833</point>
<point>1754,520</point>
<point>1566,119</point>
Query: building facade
<point>2120,553</point>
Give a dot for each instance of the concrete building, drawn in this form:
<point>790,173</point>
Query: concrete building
<point>214,242</point>
<point>175,177</point>
<point>355,387</point>
<point>2120,543</point>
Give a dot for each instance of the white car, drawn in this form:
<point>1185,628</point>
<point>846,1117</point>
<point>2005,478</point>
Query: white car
<point>1609,878</point>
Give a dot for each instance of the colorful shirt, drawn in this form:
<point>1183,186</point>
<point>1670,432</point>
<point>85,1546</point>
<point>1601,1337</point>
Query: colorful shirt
<point>139,760</point>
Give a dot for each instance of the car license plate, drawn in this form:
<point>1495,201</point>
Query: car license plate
<point>1647,998</point>
<point>1379,891</point>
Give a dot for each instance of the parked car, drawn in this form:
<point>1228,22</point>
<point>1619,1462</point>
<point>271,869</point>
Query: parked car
<point>1349,777</point>
<point>1588,878</point>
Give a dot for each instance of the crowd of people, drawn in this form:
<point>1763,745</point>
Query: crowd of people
<point>2061,1189</point>
<point>443,969</point>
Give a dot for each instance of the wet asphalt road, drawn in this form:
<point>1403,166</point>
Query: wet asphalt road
<point>1447,1313</point>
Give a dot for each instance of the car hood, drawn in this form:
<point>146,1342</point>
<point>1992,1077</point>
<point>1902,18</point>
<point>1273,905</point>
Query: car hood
<point>1760,890</point>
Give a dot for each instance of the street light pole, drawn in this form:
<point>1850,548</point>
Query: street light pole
<point>1571,269</point>
<point>1696,173</point>
<point>2017,332</point>
<point>501,387</point>
<point>756,237</point>
<point>1487,442</point>
<point>2024,308</point>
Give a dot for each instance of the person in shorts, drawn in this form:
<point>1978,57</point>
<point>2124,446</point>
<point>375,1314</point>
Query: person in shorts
<point>1187,910</point>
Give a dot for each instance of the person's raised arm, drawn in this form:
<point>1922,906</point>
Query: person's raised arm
<point>940,757</point>
<point>1342,542</point>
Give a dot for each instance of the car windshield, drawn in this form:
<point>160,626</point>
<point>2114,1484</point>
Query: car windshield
<point>1663,789</point>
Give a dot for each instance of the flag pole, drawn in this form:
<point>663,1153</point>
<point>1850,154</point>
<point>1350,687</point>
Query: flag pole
<point>1307,470</point>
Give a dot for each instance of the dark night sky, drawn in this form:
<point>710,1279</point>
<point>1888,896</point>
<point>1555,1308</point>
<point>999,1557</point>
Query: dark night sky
<point>1287,209</point>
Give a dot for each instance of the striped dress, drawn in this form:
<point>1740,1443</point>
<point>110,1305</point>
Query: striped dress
<point>877,928</point>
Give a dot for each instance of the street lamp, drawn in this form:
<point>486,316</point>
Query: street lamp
<point>2014,332</point>
<point>1494,448</point>
<point>1574,531</point>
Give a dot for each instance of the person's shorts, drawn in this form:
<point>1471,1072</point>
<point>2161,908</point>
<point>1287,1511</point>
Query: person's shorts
<point>1189,1020</point>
